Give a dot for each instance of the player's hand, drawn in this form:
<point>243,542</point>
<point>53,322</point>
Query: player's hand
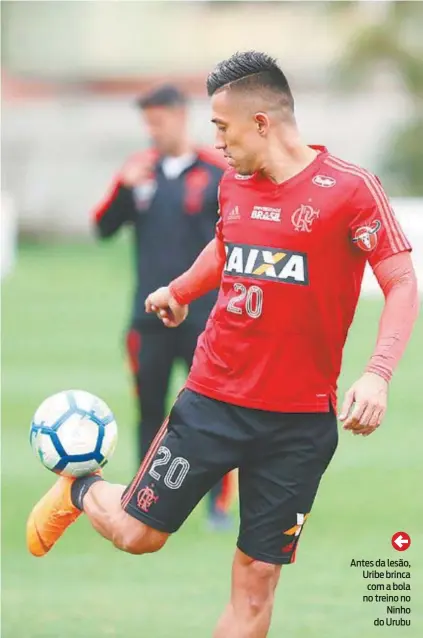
<point>136,170</point>
<point>166,307</point>
<point>365,404</point>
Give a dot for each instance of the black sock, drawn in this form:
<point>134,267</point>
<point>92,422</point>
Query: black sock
<point>80,487</point>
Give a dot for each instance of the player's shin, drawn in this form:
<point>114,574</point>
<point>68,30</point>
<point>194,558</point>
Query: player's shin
<point>101,502</point>
<point>250,610</point>
<point>236,622</point>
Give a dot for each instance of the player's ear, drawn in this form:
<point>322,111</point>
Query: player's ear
<point>262,123</point>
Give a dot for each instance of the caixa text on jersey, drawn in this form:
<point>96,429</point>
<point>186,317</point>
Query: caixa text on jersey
<point>261,262</point>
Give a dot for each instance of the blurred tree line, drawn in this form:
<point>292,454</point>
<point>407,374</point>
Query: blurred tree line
<point>390,38</point>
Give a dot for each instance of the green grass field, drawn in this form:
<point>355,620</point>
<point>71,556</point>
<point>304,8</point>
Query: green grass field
<point>64,313</point>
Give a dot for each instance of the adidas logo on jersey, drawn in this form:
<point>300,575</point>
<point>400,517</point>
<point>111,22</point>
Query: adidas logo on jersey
<point>274,264</point>
<point>234,214</point>
<point>266,213</point>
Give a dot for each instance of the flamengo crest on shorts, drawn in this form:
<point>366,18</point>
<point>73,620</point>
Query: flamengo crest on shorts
<point>268,264</point>
<point>146,497</point>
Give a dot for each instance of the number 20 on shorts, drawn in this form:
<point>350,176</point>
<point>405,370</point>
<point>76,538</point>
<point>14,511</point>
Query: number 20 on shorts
<point>175,473</point>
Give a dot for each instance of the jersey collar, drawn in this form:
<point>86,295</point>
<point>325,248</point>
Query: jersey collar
<point>308,171</point>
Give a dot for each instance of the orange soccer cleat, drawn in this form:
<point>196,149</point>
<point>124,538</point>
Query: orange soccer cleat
<point>50,517</point>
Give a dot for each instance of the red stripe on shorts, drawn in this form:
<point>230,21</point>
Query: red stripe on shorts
<point>146,462</point>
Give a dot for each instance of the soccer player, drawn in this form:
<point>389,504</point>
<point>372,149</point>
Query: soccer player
<point>296,228</point>
<point>167,195</point>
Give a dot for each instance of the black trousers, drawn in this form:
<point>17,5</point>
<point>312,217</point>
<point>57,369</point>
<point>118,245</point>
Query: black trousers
<point>152,351</point>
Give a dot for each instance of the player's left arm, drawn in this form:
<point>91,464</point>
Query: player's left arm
<point>365,402</point>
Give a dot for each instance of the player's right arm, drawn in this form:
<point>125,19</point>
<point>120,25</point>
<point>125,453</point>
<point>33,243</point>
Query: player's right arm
<point>118,207</point>
<point>170,303</point>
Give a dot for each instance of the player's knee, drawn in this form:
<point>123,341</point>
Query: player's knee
<point>138,538</point>
<point>259,585</point>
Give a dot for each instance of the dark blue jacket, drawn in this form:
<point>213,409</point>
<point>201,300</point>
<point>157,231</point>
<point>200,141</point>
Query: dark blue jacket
<point>173,220</point>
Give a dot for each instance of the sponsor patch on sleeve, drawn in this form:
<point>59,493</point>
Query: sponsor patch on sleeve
<point>366,237</point>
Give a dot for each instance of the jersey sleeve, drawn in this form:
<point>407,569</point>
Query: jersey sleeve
<point>203,276</point>
<point>116,209</point>
<point>373,227</point>
<point>397,279</point>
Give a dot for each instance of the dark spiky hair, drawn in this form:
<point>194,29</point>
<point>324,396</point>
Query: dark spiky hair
<point>250,70</point>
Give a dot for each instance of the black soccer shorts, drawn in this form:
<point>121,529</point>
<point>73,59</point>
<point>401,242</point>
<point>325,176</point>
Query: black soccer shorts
<point>281,458</point>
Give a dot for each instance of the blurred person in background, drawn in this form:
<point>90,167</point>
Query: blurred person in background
<point>168,194</point>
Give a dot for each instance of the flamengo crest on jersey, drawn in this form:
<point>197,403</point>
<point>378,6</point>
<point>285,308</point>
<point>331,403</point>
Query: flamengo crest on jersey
<point>303,218</point>
<point>268,264</point>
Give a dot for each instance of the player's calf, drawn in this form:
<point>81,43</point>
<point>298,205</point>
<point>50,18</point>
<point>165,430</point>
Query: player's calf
<point>250,609</point>
<point>101,502</point>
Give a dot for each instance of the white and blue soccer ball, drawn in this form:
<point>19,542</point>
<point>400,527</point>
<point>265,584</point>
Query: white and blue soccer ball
<point>73,433</point>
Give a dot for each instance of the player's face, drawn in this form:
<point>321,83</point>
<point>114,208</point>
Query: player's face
<point>166,127</point>
<point>237,133</point>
